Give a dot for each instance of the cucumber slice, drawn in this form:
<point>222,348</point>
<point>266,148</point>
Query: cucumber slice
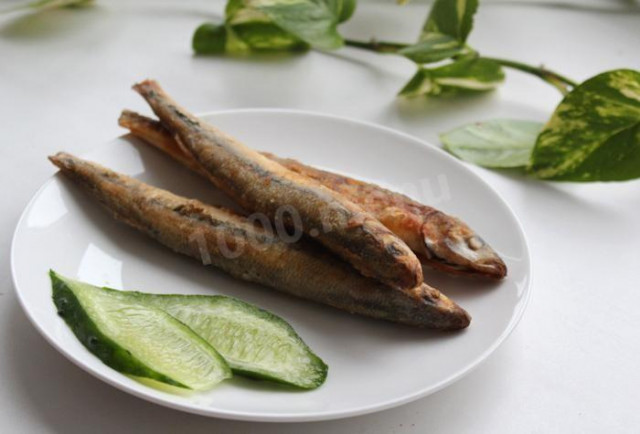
<point>254,342</point>
<point>137,339</point>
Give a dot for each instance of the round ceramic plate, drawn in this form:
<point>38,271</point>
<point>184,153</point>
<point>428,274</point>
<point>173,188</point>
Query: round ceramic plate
<point>373,365</point>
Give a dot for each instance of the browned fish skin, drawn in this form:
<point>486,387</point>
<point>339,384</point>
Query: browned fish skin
<point>439,240</point>
<point>301,269</point>
<point>259,184</point>
<point>154,133</point>
<point>443,241</point>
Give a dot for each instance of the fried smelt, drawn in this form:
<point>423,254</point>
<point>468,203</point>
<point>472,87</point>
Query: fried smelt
<point>235,245</point>
<point>259,184</point>
<point>440,240</point>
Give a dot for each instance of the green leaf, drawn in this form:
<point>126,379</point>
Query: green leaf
<point>233,7</point>
<point>312,21</point>
<point>451,17</point>
<point>267,37</point>
<point>341,9</point>
<point>594,133</point>
<point>243,38</point>
<point>465,75</point>
<point>210,38</point>
<point>274,25</point>
<point>434,48</point>
<point>498,143</point>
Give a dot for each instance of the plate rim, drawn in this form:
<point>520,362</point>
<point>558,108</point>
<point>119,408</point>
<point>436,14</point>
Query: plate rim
<point>317,415</point>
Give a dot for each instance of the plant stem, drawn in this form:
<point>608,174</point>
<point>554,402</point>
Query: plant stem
<point>560,82</point>
<point>377,46</point>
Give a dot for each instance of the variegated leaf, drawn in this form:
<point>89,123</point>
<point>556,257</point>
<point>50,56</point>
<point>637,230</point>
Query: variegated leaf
<point>470,74</point>
<point>312,21</point>
<point>451,17</point>
<point>434,48</point>
<point>275,25</point>
<point>594,134</point>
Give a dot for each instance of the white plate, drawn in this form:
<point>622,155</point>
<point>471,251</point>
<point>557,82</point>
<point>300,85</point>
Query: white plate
<point>373,365</point>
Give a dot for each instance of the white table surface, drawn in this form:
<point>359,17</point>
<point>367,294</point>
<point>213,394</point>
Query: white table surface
<point>570,366</point>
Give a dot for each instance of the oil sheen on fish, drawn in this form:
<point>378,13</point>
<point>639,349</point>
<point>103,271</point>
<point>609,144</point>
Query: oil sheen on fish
<point>440,240</point>
<point>261,185</point>
<point>247,251</point>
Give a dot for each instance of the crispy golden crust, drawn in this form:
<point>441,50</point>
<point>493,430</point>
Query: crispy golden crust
<point>262,185</point>
<point>440,241</point>
<point>230,242</point>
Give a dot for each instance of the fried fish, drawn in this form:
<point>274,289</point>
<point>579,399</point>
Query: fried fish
<point>439,240</point>
<point>261,185</point>
<point>232,243</point>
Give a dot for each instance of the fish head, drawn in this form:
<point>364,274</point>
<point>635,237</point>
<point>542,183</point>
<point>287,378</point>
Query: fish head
<point>453,246</point>
<point>443,313</point>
